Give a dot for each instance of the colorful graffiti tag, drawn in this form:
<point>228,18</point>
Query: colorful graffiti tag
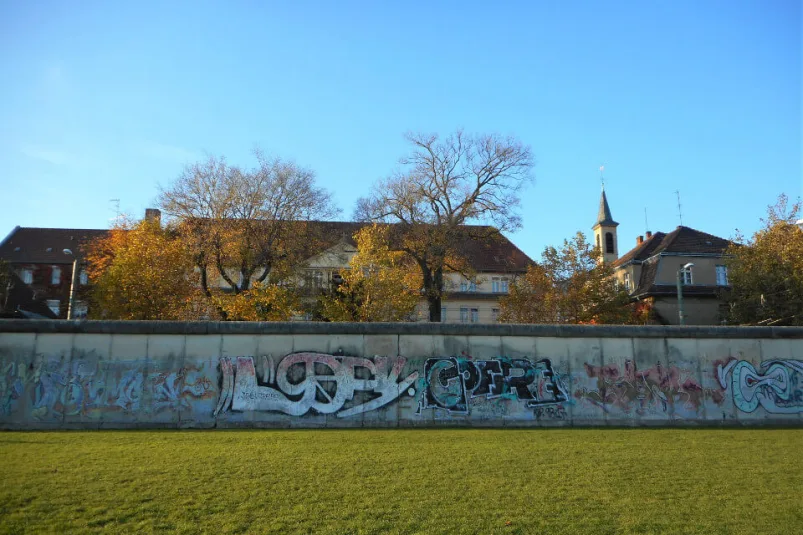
<point>451,383</point>
<point>92,389</point>
<point>656,389</point>
<point>777,385</point>
<point>312,381</point>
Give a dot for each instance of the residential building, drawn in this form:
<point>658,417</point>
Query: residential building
<point>40,259</point>
<point>650,270</point>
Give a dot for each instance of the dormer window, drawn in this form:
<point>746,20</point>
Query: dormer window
<point>686,275</point>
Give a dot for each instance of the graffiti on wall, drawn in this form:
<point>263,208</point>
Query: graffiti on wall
<point>777,385</point>
<point>451,383</point>
<point>301,382</point>
<point>92,389</point>
<point>658,389</point>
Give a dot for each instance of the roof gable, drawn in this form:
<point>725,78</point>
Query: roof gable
<point>682,240</point>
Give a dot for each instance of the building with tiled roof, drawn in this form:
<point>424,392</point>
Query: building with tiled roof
<point>650,271</point>
<point>43,259</point>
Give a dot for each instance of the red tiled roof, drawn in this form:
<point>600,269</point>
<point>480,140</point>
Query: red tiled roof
<point>28,245</point>
<point>486,249</point>
<point>683,240</point>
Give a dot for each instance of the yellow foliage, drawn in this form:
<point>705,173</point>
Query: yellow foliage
<point>570,285</point>
<point>381,284</point>
<point>261,302</point>
<point>140,271</point>
<point>766,273</point>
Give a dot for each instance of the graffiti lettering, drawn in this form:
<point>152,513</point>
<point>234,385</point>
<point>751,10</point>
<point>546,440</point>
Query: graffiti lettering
<point>656,389</point>
<point>451,383</point>
<point>312,381</point>
<point>777,385</point>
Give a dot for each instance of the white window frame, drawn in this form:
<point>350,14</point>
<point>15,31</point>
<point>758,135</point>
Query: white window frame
<point>686,276</point>
<point>26,274</point>
<point>627,282</point>
<point>474,315</point>
<point>463,314</point>
<point>722,275</point>
<point>443,314</point>
<point>55,275</point>
<point>495,315</point>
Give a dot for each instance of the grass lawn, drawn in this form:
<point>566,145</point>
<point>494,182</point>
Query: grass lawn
<point>405,481</point>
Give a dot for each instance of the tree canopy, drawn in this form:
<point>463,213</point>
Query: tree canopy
<point>243,225</point>
<point>140,271</point>
<point>570,285</point>
<point>441,186</point>
<point>766,272</point>
<point>381,284</point>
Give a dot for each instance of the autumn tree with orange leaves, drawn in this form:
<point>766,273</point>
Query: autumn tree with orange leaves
<point>381,284</point>
<point>141,271</point>
<point>570,285</point>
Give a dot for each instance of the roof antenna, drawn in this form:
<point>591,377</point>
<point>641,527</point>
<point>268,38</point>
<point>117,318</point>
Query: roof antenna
<point>116,209</point>
<point>646,224</point>
<point>680,213</point>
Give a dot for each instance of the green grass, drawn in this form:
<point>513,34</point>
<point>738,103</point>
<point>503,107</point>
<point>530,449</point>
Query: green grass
<point>405,481</point>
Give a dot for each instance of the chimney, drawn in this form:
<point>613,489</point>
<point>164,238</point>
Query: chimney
<point>639,240</point>
<point>153,214</point>
<point>649,234</point>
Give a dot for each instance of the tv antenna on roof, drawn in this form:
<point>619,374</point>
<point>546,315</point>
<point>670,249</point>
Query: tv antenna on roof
<point>680,213</point>
<point>116,208</point>
<point>646,224</point>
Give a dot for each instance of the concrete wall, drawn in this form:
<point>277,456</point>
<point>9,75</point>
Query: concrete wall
<point>59,374</point>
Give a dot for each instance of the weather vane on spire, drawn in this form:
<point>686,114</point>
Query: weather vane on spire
<point>602,175</point>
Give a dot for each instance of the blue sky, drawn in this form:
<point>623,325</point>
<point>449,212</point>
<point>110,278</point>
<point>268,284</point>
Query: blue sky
<point>105,100</point>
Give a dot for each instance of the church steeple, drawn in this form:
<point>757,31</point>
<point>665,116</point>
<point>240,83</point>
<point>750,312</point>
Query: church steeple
<point>605,230</point>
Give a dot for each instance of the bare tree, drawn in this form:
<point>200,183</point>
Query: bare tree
<point>244,224</point>
<point>443,185</point>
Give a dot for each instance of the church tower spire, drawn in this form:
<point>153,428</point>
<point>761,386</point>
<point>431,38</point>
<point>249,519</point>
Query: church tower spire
<point>605,229</point>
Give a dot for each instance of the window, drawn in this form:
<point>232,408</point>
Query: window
<point>608,242</point>
<point>83,278</point>
<point>443,314</point>
<point>469,315</point>
<point>685,275</point>
<point>722,275</point>
<point>27,276</point>
<point>495,314</point>
<point>53,305</point>
<point>500,285</point>
<point>469,286</point>
<point>55,275</point>
<point>463,287</point>
<point>627,282</point>
<point>314,279</point>
<point>80,310</point>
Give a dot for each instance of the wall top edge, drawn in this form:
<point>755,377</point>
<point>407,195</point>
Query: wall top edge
<point>449,329</point>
